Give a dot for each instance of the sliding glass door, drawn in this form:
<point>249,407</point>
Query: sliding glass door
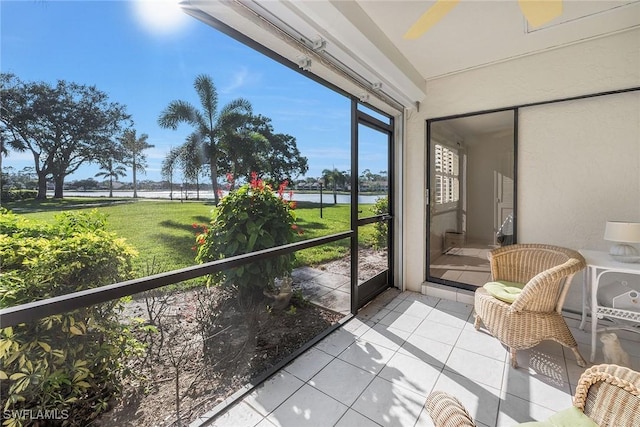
<point>471,186</point>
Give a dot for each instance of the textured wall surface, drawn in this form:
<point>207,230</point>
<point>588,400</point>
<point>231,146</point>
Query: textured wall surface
<point>565,141</point>
<point>579,167</point>
<point>598,65</point>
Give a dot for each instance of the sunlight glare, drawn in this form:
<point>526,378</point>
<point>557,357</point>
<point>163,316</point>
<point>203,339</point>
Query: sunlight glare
<point>160,16</point>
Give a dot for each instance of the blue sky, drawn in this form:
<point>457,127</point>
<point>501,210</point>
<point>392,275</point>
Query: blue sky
<point>107,44</point>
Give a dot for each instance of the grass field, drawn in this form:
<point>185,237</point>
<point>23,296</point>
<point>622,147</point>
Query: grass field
<point>163,233</point>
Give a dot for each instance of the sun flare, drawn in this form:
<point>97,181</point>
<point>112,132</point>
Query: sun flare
<point>160,16</point>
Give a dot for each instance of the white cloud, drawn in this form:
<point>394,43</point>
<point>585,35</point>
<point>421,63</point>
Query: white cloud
<point>239,79</point>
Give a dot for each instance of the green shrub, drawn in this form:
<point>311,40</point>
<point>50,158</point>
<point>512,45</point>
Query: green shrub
<point>15,195</point>
<point>69,364</point>
<point>252,218</point>
<point>381,229</point>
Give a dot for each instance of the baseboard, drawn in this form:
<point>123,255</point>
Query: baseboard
<point>438,290</point>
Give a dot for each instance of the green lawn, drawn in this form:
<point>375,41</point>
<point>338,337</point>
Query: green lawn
<point>163,233</point>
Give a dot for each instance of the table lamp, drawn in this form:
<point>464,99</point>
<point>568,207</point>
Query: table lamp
<point>623,233</point>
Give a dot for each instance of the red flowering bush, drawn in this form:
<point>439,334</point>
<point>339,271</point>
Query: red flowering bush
<point>252,218</point>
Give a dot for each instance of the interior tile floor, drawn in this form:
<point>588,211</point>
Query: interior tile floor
<point>468,264</point>
<point>379,368</point>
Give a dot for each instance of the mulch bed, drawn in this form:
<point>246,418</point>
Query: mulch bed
<point>243,343</point>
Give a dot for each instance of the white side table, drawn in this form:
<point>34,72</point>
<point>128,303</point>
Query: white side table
<point>598,264</point>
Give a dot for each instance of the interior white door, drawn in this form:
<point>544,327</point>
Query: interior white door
<point>503,196</point>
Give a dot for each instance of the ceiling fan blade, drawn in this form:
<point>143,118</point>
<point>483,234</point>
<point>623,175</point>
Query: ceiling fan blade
<point>539,12</point>
<point>431,17</point>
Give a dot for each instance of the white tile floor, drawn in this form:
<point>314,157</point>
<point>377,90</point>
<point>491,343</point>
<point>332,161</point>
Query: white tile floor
<point>378,369</point>
<point>468,264</point>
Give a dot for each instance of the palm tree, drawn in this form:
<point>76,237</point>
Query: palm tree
<point>335,178</point>
<point>111,170</point>
<point>169,165</point>
<point>134,157</point>
<point>191,161</point>
<point>208,123</point>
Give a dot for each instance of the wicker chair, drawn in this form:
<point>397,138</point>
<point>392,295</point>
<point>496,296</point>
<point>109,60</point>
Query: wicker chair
<point>608,394</point>
<point>535,315</point>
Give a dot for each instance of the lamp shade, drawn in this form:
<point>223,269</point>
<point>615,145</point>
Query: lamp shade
<point>626,232</point>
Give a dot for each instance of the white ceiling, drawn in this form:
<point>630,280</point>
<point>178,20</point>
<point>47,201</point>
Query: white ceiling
<point>479,124</point>
<point>365,37</point>
<point>480,32</point>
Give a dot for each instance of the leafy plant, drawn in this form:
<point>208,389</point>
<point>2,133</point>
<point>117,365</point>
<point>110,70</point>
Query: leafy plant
<point>69,364</point>
<point>13,195</point>
<point>381,229</point>
<point>252,218</point>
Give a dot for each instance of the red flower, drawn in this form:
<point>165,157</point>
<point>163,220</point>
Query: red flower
<point>194,225</point>
<point>293,205</point>
<point>294,227</point>
<point>282,187</point>
<point>229,177</point>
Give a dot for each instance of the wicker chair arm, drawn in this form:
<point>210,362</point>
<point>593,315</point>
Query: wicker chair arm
<point>624,378</point>
<point>447,411</point>
<point>544,291</point>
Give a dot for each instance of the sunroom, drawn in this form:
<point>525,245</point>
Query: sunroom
<point>513,122</point>
<point>501,123</point>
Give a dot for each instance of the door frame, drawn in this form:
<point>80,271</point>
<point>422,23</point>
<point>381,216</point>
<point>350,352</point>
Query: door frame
<point>428,189</point>
<point>361,294</point>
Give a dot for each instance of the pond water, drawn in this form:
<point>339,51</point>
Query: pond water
<point>191,195</point>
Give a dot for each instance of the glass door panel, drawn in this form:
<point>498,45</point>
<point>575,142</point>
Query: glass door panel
<point>471,206</point>
<point>373,208</point>
<point>373,179</point>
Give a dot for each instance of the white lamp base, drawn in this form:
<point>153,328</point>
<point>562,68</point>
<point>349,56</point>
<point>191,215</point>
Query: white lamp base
<point>624,253</point>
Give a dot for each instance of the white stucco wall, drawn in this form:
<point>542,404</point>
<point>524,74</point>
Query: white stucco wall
<point>567,142</point>
<point>579,167</point>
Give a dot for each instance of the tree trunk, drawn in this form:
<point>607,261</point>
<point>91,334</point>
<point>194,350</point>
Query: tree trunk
<point>42,186</point>
<point>213,164</point>
<point>197,188</point>
<point>335,194</point>
<point>59,184</point>
<point>110,186</point>
<point>135,183</point>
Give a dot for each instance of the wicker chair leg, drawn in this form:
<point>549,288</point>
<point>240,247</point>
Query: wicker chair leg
<point>476,323</point>
<point>514,359</point>
<point>447,411</point>
<point>579,359</point>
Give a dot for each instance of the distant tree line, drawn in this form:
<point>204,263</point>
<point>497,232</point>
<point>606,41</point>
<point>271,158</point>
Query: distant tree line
<point>64,126</point>
<point>67,125</point>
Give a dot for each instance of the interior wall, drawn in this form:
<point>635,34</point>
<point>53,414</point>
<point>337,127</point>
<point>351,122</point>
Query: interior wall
<point>488,154</point>
<point>603,64</point>
<point>580,167</point>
